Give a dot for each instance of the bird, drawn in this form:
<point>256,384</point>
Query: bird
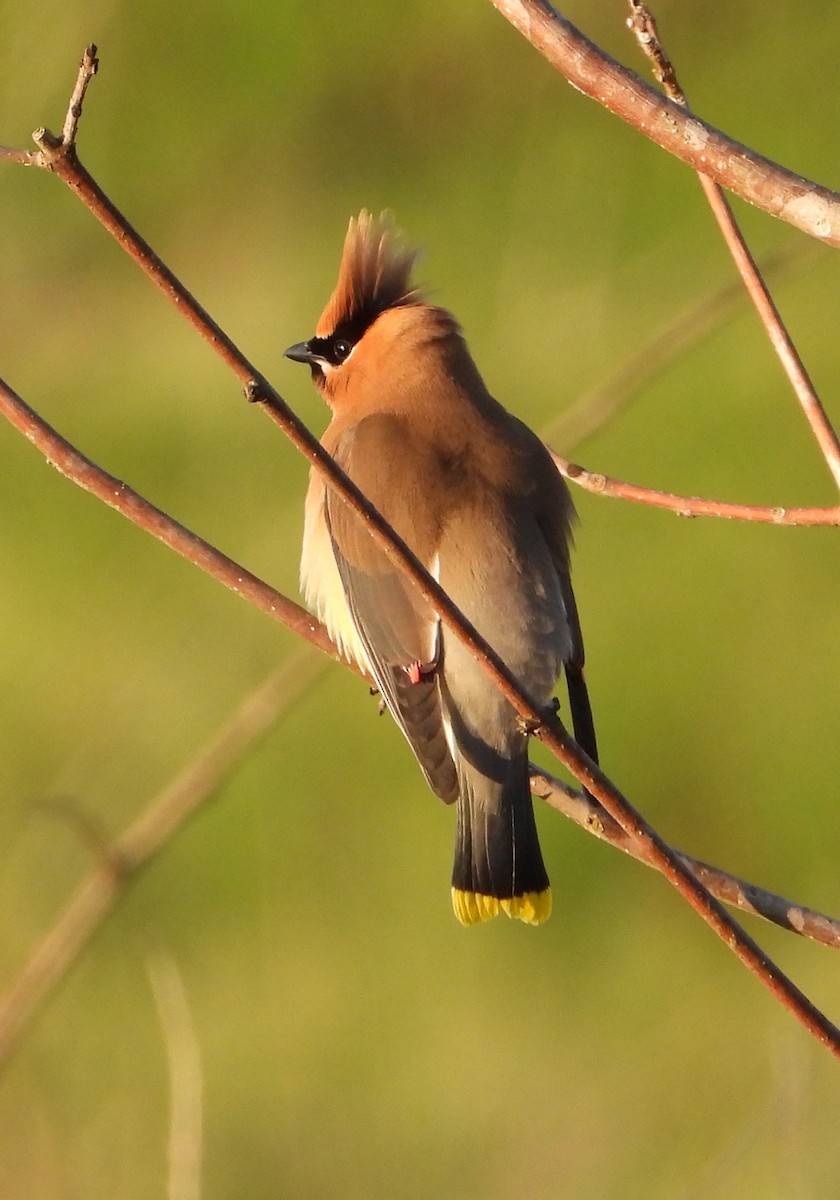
<point>477,497</point>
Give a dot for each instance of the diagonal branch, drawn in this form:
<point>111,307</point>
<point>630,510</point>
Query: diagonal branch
<point>61,159</point>
<point>118,865</point>
<point>643,24</point>
<point>732,890</point>
<point>806,205</point>
<point>62,455</point>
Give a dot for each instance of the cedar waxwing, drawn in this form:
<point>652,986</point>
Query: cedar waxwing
<point>476,496</point>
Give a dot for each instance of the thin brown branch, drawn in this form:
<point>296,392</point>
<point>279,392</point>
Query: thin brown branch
<point>62,455</point>
<point>118,865</point>
<point>692,506</point>
<point>736,892</point>
<point>48,144</point>
<point>26,158</point>
<point>550,730</point>
<point>87,69</point>
<point>790,197</point>
<point>670,864</point>
<point>643,25</point>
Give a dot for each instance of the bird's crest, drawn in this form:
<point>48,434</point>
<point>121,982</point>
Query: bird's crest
<point>375,274</point>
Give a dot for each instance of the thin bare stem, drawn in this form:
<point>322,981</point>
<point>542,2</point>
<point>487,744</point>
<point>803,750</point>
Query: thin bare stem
<point>670,864</point>
<point>118,865</point>
<point>186,1077</point>
<point>48,144</point>
<point>643,25</point>
<point>792,198</point>
<point>26,158</point>
<point>118,495</point>
<point>692,506</point>
<point>87,69</point>
<point>736,892</point>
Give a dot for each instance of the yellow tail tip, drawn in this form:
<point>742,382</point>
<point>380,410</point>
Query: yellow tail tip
<point>472,907</point>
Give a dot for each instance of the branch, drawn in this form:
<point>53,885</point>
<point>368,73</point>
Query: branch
<point>118,495</point>
<point>738,893</point>
<point>692,506</point>
<point>643,25</point>
<point>119,864</point>
<point>578,59</point>
<point>806,205</point>
<point>61,159</point>
<point>47,141</point>
<point>87,69</point>
<point>186,1077</point>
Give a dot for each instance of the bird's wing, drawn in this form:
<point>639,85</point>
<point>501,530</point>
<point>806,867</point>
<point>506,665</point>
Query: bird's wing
<point>583,722</point>
<point>398,628</point>
<point>555,515</point>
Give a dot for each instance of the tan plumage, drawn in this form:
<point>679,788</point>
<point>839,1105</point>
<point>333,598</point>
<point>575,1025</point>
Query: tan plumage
<point>476,496</point>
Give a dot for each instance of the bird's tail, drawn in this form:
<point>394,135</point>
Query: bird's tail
<point>498,862</point>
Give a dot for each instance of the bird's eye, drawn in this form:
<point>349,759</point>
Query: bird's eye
<point>341,349</point>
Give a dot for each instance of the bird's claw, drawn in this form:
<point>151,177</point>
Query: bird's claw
<point>417,672</point>
<point>531,725</point>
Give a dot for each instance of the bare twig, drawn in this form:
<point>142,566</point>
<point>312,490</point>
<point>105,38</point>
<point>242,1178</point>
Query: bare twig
<point>692,506</point>
<point>792,198</point>
<point>186,1077</point>
<point>118,495</point>
<point>732,890</point>
<point>549,728</point>
<point>87,69</point>
<point>117,865</point>
<point>643,25</point>
<point>48,144</point>
<point>27,158</point>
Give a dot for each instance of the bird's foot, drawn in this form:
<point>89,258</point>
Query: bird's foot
<point>417,672</point>
<point>531,725</point>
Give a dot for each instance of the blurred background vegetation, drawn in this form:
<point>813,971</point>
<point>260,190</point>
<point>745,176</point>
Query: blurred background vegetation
<point>353,1039</point>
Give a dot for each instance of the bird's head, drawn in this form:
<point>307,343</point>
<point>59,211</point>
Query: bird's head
<point>371,334</point>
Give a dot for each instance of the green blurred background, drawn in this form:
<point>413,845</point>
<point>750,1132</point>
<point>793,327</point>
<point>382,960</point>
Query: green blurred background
<point>351,1038</point>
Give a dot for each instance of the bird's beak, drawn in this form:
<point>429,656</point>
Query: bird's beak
<point>300,352</point>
